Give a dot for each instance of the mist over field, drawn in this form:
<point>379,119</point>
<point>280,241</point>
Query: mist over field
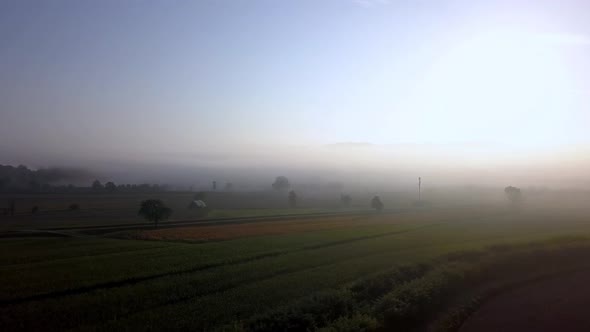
<point>391,167</point>
<point>373,93</point>
<point>295,165</point>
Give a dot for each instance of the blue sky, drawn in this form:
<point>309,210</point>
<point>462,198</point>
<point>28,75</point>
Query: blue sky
<point>135,77</point>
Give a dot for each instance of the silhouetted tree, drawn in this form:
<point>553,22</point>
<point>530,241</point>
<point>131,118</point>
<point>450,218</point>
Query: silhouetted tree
<point>376,203</point>
<point>154,210</point>
<point>214,185</point>
<point>513,194</point>
<point>281,183</point>
<point>292,199</point>
<point>110,186</point>
<point>35,209</point>
<point>97,186</point>
<point>345,200</point>
<point>74,207</point>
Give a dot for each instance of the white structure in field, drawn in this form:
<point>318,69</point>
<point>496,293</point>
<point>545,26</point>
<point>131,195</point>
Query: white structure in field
<point>199,204</point>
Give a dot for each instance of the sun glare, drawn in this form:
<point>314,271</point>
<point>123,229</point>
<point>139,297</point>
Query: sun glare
<point>496,84</point>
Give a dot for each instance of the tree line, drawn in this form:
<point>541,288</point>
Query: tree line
<point>23,179</point>
<point>156,210</point>
<point>111,187</point>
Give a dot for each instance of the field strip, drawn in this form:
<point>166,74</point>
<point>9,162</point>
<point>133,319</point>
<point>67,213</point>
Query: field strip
<point>208,221</point>
<point>283,273</point>
<point>135,280</point>
<point>185,297</point>
<point>248,283</point>
<point>366,237</point>
<point>218,221</point>
<point>278,274</point>
<point>34,233</point>
<point>128,281</point>
<point>44,260</point>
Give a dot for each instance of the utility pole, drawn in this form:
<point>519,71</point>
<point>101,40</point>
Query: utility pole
<point>419,189</point>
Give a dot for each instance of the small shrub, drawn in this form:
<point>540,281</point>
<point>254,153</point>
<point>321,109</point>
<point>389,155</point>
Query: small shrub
<point>35,210</point>
<point>74,207</point>
<point>409,304</point>
<point>307,314</point>
<point>374,287</point>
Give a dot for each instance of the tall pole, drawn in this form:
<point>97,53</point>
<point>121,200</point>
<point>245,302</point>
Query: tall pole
<point>419,189</point>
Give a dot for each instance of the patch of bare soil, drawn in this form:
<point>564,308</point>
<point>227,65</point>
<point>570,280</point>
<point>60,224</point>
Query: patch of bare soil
<point>552,305</point>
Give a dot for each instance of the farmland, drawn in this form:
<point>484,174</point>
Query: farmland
<point>221,277</point>
<point>121,208</point>
<point>296,166</point>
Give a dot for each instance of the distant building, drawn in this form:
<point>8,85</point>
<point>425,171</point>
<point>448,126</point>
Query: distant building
<point>197,204</point>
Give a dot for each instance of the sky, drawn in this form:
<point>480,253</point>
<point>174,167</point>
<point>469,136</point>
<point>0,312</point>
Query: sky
<point>211,83</point>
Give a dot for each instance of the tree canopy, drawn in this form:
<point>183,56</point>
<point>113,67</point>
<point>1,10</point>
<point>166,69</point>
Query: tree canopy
<point>281,183</point>
<point>376,203</point>
<point>513,194</point>
<point>154,210</point>
<point>97,185</point>
<point>23,179</point>
<point>110,186</point>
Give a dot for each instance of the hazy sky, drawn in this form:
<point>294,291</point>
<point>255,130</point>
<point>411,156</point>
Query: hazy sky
<point>128,79</point>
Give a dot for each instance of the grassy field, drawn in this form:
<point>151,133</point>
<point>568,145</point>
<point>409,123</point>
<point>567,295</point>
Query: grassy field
<point>121,208</point>
<point>100,283</point>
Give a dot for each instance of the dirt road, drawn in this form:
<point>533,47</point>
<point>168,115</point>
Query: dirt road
<point>554,305</point>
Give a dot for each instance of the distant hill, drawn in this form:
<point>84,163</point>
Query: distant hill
<point>21,178</point>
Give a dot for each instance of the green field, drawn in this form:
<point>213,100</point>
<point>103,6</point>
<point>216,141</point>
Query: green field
<point>121,208</point>
<point>101,283</point>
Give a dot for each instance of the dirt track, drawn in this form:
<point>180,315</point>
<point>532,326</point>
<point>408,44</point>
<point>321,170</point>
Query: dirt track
<point>554,305</point>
